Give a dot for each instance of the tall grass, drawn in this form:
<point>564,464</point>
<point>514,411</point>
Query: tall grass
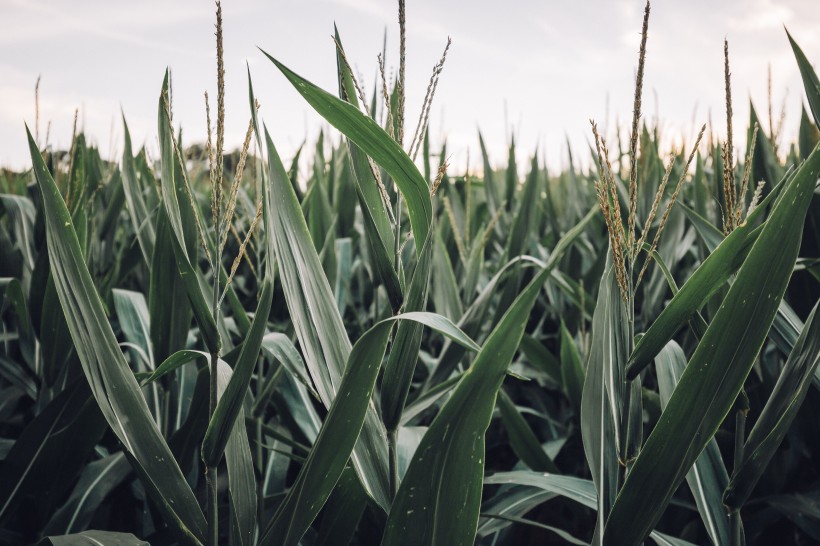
<point>208,348</point>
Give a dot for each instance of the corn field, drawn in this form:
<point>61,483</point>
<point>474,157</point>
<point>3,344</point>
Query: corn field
<point>207,347</point>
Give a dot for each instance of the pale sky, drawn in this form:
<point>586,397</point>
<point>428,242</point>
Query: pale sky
<point>550,65</point>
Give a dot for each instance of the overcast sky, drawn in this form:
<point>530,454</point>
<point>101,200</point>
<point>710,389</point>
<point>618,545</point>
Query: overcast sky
<point>545,66</point>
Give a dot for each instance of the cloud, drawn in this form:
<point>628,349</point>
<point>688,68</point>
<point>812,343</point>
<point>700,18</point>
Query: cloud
<point>763,15</point>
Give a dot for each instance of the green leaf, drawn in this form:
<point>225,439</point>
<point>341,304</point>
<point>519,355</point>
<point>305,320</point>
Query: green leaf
<point>181,220</point>
<point>241,480</point>
<point>718,368</point>
<point>708,477</point>
<point>316,319</point>
<point>342,426</point>
<point>176,360</point>
<point>94,538</point>
<point>522,438</point>
<point>137,208</point>
<point>778,414</point>
<point>811,83</point>
<point>577,489</point>
<point>376,143</point>
<point>509,501</point>
<point>113,384</point>
<point>168,305</point>
<point>522,225</point>
<point>786,323</point>
<point>230,404</point>
<point>335,443</point>
<point>599,412</point>
<point>133,316</point>
<point>398,372</point>
<point>445,294</point>
<point>580,490</point>
<point>438,501</point>
<point>377,225</point>
<point>572,369</point>
<point>493,200</point>
<point>341,288</point>
<point>541,358</point>
<point>702,285</point>
<point>280,347</point>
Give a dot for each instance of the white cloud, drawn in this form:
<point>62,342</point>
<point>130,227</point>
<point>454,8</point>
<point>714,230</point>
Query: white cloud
<point>762,15</point>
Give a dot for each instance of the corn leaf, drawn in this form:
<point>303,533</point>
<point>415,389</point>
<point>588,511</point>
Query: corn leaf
<point>177,207</point>
<point>438,501</point>
<point>810,81</point>
<point>341,427</point>
<point>230,403</point>
<point>704,282</point>
<point>112,383</point>
<point>598,411</point>
<point>718,368</point>
<point>778,414</point>
<point>375,142</point>
<point>708,477</point>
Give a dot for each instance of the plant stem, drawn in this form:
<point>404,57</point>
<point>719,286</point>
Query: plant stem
<point>211,475</point>
<point>398,228</point>
<point>393,458</point>
<point>738,538</point>
<point>626,433</point>
<point>260,453</point>
<point>211,472</point>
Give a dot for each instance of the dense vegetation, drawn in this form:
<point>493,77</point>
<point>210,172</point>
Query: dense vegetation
<point>206,348</point>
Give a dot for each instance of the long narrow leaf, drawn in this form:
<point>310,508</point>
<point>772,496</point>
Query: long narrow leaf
<point>718,368</point>
<point>112,383</point>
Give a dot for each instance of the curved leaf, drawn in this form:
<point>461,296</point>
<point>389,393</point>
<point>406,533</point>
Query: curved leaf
<point>342,426</point>
<point>112,382</point>
<point>718,368</point>
<point>376,143</point>
<point>438,501</point>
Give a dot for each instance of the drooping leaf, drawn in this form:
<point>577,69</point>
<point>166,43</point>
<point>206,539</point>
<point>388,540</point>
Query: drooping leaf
<point>376,143</point>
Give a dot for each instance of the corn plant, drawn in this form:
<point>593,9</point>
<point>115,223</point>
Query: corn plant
<point>207,347</point>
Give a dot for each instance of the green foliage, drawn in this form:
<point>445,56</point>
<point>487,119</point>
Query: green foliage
<point>404,356</point>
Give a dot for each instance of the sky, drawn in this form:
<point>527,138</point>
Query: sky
<point>535,69</point>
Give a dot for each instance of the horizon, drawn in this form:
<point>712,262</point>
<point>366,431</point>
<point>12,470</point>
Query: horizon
<point>545,113</point>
